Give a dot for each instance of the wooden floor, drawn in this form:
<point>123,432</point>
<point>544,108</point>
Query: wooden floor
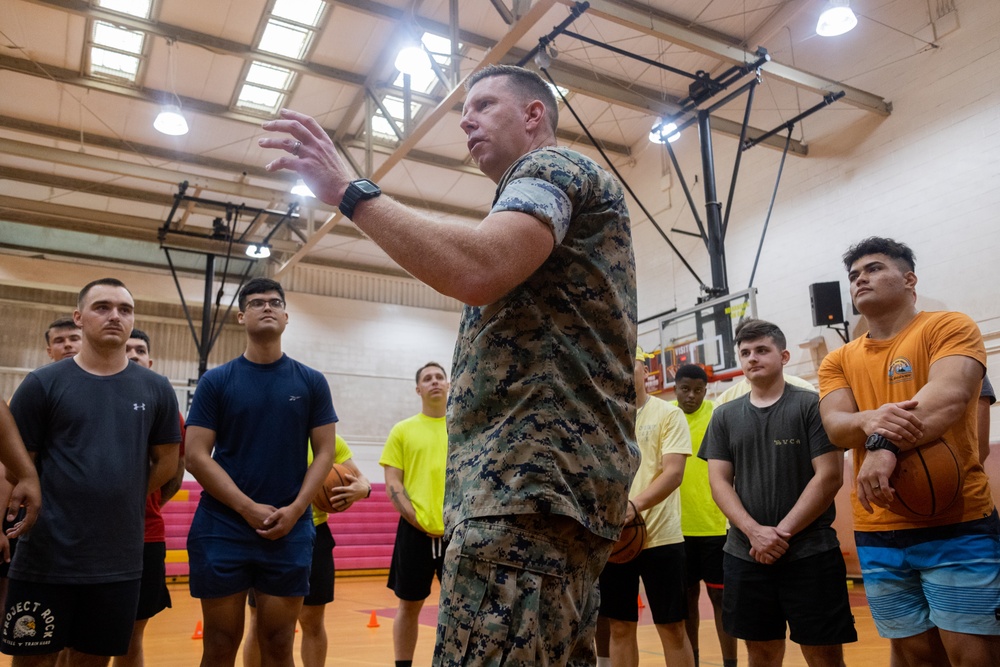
<point>169,640</point>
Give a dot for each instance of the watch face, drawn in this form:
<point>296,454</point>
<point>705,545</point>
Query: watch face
<point>366,187</point>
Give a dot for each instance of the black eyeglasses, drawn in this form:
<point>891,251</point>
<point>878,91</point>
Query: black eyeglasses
<point>258,304</point>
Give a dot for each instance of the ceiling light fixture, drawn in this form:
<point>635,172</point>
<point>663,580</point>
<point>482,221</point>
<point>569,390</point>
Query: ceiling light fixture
<point>262,251</point>
<point>661,133</point>
<point>301,189</point>
<point>836,19</point>
<point>413,60</point>
<point>170,120</point>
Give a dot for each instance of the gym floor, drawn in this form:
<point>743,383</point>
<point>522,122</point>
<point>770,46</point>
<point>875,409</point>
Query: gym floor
<point>169,640</point>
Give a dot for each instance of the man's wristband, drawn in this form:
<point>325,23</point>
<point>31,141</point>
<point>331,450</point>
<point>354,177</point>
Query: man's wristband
<point>876,441</point>
<point>369,494</point>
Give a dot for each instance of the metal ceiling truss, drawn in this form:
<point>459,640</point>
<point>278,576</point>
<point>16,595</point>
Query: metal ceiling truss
<point>224,231</point>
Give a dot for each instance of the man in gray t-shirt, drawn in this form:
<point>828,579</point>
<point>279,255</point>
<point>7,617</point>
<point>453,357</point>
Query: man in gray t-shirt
<point>103,433</point>
<point>774,474</point>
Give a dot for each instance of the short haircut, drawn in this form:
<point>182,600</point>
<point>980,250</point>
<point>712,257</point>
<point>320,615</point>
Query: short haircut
<point>878,245</point>
<point>691,372</point>
<point>751,329</point>
<point>259,286</point>
<point>112,282</point>
<point>428,365</point>
<point>61,323</point>
<point>526,83</point>
<point>143,336</point>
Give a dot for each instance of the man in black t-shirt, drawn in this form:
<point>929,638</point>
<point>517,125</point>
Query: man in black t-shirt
<point>774,474</point>
<point>103,432</point>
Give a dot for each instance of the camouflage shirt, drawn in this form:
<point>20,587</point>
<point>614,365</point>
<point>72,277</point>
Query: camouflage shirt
<point>541,414</point>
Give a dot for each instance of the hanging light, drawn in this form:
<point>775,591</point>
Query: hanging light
<point>171,121</point>
<point>413,60</point>
<point>301,189</point>
<point>664,133</point>
<point>836,19</point>
<point>262,251</point>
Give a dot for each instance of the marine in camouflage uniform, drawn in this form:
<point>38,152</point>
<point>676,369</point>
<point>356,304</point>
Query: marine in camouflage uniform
<point>542,417</point>
<point>541,429</point>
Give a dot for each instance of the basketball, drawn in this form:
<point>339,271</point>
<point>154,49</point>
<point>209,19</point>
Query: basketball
<point>631,541</point>
<point>926,481</point>
<point>336,477</point>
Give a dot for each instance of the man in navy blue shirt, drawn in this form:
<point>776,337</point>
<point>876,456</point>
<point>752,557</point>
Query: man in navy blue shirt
<point>253,527</point>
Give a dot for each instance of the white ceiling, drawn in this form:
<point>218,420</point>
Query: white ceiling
<point>79,158</point>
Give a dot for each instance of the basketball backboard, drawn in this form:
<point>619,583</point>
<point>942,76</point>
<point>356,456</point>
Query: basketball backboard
<point>703,335</point>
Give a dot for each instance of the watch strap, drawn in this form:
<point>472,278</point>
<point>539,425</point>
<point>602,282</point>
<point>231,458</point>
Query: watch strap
<point>876,441</point>
<point>355,194</point>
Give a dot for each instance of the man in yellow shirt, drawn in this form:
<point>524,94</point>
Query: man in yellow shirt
<point>702,522</point>
<point>664,443</point>
<point>414,459</point>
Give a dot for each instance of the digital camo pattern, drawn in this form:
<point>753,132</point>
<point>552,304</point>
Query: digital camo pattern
<point>520,591</point>
<point>541,415</point>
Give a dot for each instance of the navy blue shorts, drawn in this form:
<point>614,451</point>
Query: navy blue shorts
<point>323,572</point>
<point>226,556</point>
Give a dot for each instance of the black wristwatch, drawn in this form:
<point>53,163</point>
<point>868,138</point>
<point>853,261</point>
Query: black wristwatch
<point>358,191</point>
<point>876,441</point>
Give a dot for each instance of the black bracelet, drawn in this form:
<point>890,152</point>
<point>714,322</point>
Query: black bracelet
<point>369,491</point>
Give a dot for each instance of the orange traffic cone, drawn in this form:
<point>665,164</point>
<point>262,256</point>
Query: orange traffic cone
<point>198,632</point>
<point>373,621</point>
<point>641,605</point>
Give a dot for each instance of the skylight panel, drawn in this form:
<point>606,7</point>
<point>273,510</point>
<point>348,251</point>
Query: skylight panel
<point>394,106</point>
<point>284,39</point>
<point>307,12</point>
<point>269,75</point>
<point>258,99</point>
<point>423,81</point>
<point>382,128</point>
<point>140,8</point>
<point>115,52</point>
<point>439,47</point>
<point>113,64</point>
<point>120,39</point>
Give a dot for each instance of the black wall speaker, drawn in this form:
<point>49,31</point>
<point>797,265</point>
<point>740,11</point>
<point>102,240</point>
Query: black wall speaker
<point>826,305</point>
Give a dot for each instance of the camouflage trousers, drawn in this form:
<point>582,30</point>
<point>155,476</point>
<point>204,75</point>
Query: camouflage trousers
<point>520,590</point>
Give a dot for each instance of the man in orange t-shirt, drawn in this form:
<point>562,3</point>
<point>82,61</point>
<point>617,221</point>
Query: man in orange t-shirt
<point>933,585</point>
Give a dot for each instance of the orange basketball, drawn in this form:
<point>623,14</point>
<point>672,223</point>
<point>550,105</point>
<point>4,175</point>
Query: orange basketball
<point>336,477</point>
<point>631,541</point>
<point>926,481</point>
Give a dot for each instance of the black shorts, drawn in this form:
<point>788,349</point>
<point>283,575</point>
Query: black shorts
<point>153,595</point>
<point>416,558</point>
<point>321,576</point>
<point>91,618</point>
<point>809,594</point>
<point>703,560</point>
<point>662,572</point>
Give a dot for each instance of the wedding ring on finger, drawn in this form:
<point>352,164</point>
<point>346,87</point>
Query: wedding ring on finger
<point>295,148</point>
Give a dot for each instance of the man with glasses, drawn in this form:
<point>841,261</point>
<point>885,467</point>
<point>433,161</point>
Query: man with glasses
<point>252,529</point>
